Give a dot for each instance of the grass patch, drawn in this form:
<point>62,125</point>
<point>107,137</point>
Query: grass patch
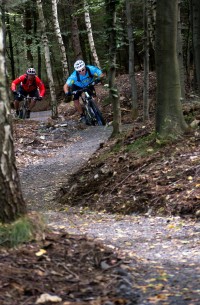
<point>145,145</point>
<point>25,229</point>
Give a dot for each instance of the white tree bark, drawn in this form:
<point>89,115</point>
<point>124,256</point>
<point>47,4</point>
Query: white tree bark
<point>47,60</point>
<point>60,40</point>
<point>90,34</point>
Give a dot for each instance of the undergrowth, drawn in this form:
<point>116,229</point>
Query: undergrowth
<point>22,230</point>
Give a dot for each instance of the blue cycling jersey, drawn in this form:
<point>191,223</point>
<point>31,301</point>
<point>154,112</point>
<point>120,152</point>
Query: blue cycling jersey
<point>84,79</point>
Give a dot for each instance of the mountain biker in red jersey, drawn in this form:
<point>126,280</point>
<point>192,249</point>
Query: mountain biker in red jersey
<point>82,76</point>
<point>29,84</point>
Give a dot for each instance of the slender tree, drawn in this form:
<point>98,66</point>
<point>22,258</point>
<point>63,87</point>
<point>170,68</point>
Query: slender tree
<point>131,61</point>
<point>111,17</point>
<point>48,60</point>
<point>76,44</point>
<point>28,27</point>
<point>60,40</point>
<point>90,34</point>
<point>146,62</point>
<point>169,115</point>
<point>11,200</point>
<point>195,4</point>
<point>180,54</point>
<point>11,52</point>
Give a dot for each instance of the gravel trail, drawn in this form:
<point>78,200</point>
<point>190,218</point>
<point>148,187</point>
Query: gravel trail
<point>41,181</point>
<point>163,252</point>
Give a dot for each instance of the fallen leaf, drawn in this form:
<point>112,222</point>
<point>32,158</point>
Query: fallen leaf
<point>45,297</point>
<point>41,252</point>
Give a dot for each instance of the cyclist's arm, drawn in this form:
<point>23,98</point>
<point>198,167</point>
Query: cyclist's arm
<point>41,86</point>
<point>66,88</point>
<point>16,82</point>
<point>101,77</point>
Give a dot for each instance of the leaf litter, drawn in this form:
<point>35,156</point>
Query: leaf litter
<point>133,239</point>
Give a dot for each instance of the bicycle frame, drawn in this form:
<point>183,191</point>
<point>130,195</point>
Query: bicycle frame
<point>91,111</point>
<point>24,106</point>
<point>88,111</point>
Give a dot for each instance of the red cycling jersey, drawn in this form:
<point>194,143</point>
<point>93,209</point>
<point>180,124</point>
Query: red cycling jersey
<point>29,84</point>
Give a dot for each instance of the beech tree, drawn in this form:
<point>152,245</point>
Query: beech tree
<point>146,62</point>
<point>60,40</point>
<point>195,6</point>
<point>47,60</point>
<point>90,34</point>
<point>131,61</point>
<point>11,200</point>
<point>76,44</point>
<point>111,6</point>
<point>169,115</point>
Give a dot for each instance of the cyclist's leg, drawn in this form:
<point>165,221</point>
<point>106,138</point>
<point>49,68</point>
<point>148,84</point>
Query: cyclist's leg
<point>33,94</point>
<point>78,106</point>
<point>97,112</point>
<point>76,101</point>
<point>92,92</point>
<point>18,99</point>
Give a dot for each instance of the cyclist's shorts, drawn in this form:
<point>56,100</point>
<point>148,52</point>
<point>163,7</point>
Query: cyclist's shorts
<point>33,93</point>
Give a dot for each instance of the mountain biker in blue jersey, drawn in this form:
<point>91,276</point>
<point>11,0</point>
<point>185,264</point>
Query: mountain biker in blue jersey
<point>82,76</point>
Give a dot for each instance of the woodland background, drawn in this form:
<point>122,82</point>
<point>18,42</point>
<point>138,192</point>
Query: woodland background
<point>121,37</point>
<point>153,170</point>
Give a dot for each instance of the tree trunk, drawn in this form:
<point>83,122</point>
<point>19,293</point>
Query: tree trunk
<point>146,64</point>
<point>180,55</point>
<point>151,17</point>
<point>35,30</point>
<point>134,101</point>
<point>90,34</point>
<point>113,92</point>
<point>75,32</point>
<point>196,39</point>
<point>60,40</point>
<point>169,116</point>
<point>27,20</point>
<point>11,200</point>
<point>12,62</point>
<point>47,59</point>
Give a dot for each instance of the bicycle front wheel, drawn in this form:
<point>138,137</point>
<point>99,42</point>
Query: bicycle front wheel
<point>89,115</point>
<point>23,113</point>
<point>99,117</point>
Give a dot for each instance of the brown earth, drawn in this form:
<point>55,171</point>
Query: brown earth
<point>131,175</point>
<point>136,173</point>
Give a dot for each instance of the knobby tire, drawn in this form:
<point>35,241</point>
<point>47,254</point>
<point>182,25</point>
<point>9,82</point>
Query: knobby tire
<point>23,113</point>
<point>90,116</point>
<point>98,114</point>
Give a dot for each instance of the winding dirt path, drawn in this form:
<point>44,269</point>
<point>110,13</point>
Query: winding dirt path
<point>163,253</point>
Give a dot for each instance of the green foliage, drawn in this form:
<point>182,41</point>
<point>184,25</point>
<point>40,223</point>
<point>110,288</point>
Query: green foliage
<point>117,147</point>
<point>21,231</point>
<point>145,145</point>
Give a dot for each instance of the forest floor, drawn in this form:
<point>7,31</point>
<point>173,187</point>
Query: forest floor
<point>123,214</point>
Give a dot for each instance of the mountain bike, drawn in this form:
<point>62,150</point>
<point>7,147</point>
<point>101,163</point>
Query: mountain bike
<point>24,106</point>
<point>90,109</point>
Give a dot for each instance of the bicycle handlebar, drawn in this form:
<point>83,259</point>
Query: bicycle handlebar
<point>28,97</point>
<point>85,88</point>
